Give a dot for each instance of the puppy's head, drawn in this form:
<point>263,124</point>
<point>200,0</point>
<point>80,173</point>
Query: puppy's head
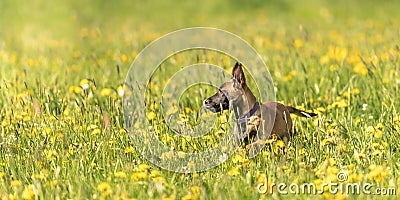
<point>230,91</point>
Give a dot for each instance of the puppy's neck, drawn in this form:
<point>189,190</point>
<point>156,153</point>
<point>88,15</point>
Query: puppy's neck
<point>247,102</point>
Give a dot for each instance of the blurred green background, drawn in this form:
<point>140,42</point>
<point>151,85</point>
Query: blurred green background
<point>21,21</point>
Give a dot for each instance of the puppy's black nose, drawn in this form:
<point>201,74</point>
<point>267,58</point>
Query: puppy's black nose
<point>207,101</point>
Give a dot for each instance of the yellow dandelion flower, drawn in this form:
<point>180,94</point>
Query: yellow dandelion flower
<point>238,158</point>
<point>129,149</point>
<point>223,119</point>
<point>38,176</point>
<point>370,129</point>
<point>376,131</point>
<point>104,188</point>
<point>143,167</point>
<point>188,110</point>
<point>324,59</point>
<point>360,68</point>
<point>377,172</point>
<point>31,62</point>
<point>121,90</point>
<point>105,92</point>
<point>334,67</point>
<point>298,43</point>
<point>139,175</point>
<point>235,171</point>
<point>28,193</point>
<point>377,153</point>
<point>279,144</point>
<point>2,174</point>
<point>154,173</point>
<point>16,183</point>
<point>190,196</point>
<point>120,174</point>
<point>96,131</point>
<point>378,134</point>
<point>75,89</point>
<point>320,110</point>
<point>379,126</point>
<point>332,132</point>
<point>84,83</point>
<point>195,189</point>
<point>220,132</point>
<point>124,58</point>
<point>172,110</point>
<point>151,116</point>
<point>355,91</point>
<point>50,154</point>
<point>342,104</point>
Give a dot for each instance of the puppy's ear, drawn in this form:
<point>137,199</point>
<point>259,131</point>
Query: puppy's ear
<point>238,74</point>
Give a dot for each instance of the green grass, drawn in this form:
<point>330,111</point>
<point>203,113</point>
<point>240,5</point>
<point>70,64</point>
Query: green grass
<point>57,141</point>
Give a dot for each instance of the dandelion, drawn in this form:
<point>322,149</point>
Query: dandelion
<point>84,83</point>
<point>120,175</point>
<point>96,131</point>
<point>129,149</point>
<point>195,189</point>
<point>154,173</point>
<point>377,172</point>
<point>16,183</point>
<point>298,43</point>
<point>333,68</point>
<point>239,158</point>
<point>143,167</point>
<point>235,171</point>
<point>320,110</point>
<point>377,153</point>
<point>75,89</point>
<point>279,144</point>
<point>376,131</point>
<point>360,68</point>
<point>2,174</point>
<point>151,116</point>
<point>28,193</point>
<point>121,90</point>
<point>124,58</point>
<point>358,156</point>
<point>105,92</point>
<point>172,110</point>
<point>332,132</point>
<point>50,154</point>
<point>223,119</point>
<point>104,188</point>
<point>38,176</point>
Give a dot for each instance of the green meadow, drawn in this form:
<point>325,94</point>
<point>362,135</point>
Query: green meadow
<point>63,66</point>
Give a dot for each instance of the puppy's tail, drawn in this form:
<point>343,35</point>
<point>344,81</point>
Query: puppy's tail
<point>300,113</point>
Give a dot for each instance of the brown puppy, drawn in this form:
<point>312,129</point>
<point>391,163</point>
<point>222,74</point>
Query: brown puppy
<point>275,116</point>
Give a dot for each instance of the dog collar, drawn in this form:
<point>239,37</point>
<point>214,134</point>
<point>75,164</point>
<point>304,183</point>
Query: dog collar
<point>245,117</point>
<point>242,122</point>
